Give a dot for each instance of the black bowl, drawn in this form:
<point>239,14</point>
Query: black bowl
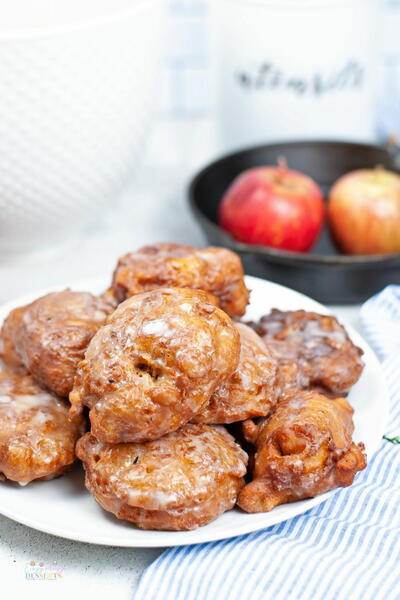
<point>324,274</point>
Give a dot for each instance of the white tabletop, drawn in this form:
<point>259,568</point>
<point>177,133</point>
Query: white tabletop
<point>153,209</point>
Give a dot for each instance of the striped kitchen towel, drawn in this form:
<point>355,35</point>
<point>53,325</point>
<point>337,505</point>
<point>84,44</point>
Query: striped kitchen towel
<point>347,548</point>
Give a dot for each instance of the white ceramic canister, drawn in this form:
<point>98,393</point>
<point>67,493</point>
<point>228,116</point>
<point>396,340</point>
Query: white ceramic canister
<point>294,69</point>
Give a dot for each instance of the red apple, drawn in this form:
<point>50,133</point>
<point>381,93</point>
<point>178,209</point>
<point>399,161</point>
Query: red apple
<point>273,206</point>
<point>364,212</point>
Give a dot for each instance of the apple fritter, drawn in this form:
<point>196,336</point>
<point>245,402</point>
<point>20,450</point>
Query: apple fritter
<point>155,364</point>
<point>304,449</point>
<point>215,270</point>
<point>251,391</point>
<point>48,337</point>
<point>37,438</point>
<point>178,482</point>
<point>313,350</point>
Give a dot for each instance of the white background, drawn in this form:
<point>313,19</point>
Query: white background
<point>153,209</point>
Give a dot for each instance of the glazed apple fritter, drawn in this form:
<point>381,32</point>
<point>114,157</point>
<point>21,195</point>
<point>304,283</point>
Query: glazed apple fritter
<point>155,364</point>
<point>49,337</point>
<point>37,438</point>
<point>304,449</point>
<point>251,391</point>
<point>313,351</point>
<point>215,270</point>
<point>181,481</point>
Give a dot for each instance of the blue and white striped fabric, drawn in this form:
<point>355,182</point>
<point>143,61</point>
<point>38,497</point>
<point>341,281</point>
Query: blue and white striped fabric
<point>380,317</point>
<point>346,548</point>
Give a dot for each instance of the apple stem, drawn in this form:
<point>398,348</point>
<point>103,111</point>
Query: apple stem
<point>282,162</point>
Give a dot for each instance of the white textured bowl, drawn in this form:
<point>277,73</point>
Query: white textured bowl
<point>76,97</point>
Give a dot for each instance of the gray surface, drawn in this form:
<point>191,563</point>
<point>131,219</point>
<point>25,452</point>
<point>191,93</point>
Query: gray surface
<point>102,571</point>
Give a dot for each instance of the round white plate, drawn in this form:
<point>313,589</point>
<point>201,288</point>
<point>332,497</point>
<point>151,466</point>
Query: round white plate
<point>64,508</point>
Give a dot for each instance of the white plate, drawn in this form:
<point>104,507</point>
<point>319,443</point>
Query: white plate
<point>64,508</point>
